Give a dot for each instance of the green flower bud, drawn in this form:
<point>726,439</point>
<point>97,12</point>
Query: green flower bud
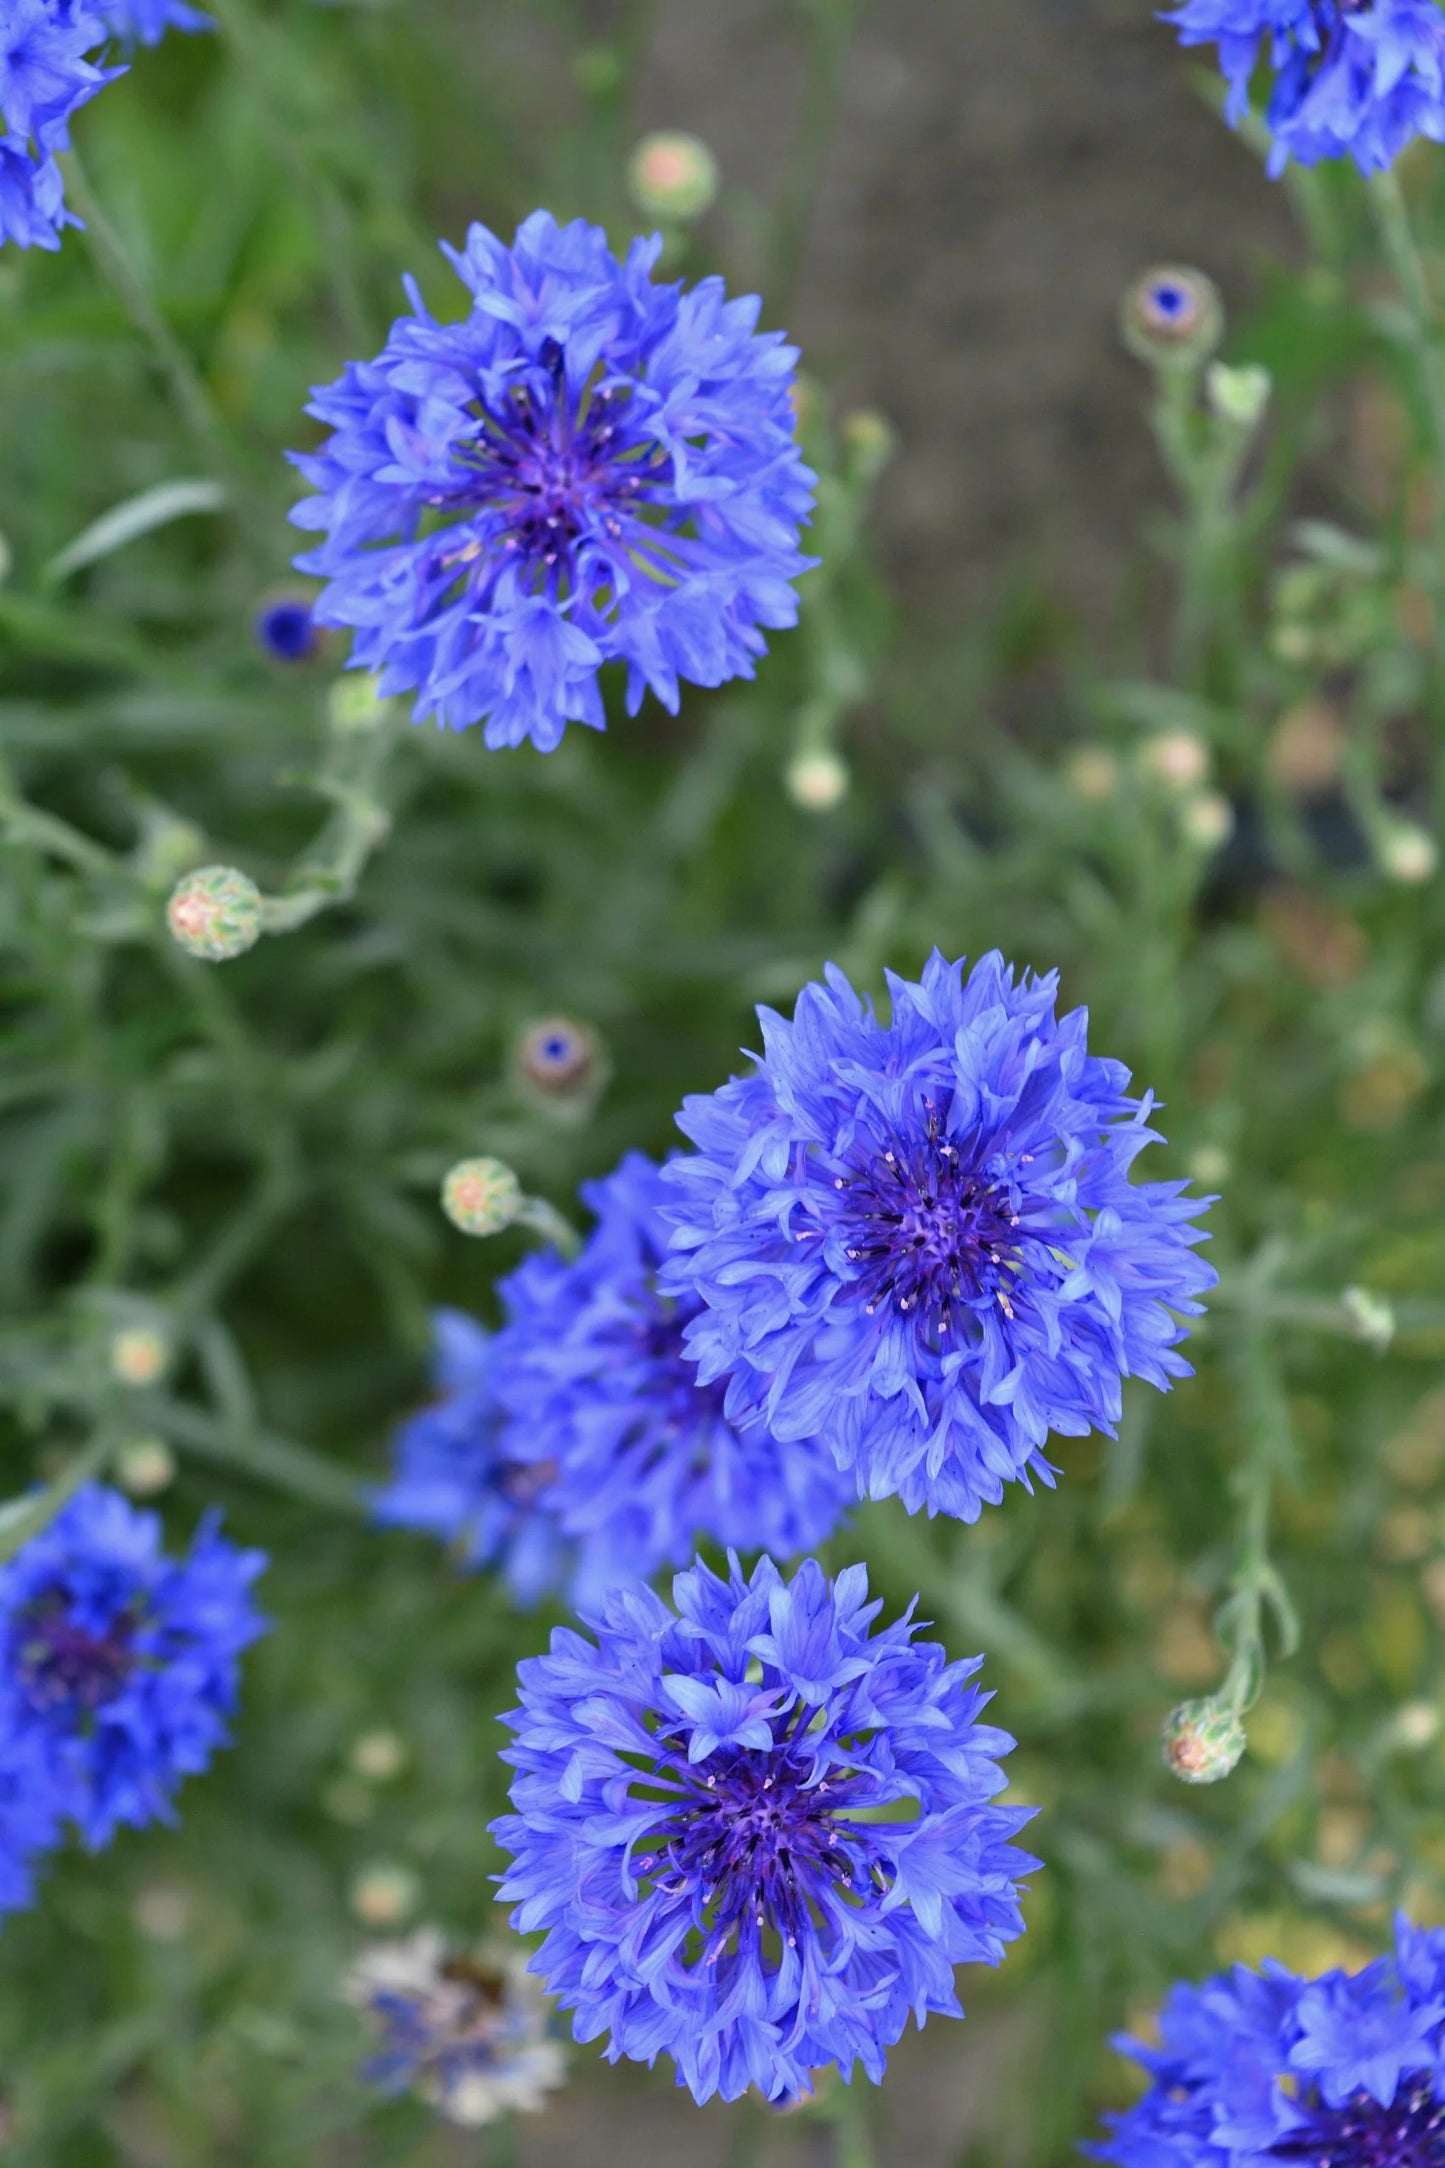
<point>1202,1741</point>
<point>868,440</point>
<point>482,1196</point>
<point>354,704</point>
<point>817,781</point>
<point>1373,1317</point>
<point>145,1466</point>
<point>1172,317</point>
<point>139,1355</point>
<point>672,176</point>
<point>1239,395</point>
<point>215,913</point>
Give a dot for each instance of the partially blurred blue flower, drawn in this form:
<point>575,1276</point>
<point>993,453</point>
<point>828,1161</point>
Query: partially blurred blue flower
<point>589,468</point>
<point>1339,2072</point>
<point>44,78</point>
<point>468,2033</point>
<point>146,22</point>
<point>1350,77</point>
<point>921,1241</point>
<point>119,1665</point>
<point>757,1836</point>
<point>592,1372</point>
<point>453,1478</point>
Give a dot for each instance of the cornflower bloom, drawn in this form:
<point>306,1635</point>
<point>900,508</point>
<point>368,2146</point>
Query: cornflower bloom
<point>589,468</point>
<point>468,2034</point>
<point>45,77</point>
<point>1343,2071</point>
<point>921,1242</point>
<point>755,1834</point>
<point>598,1388</point>
<point>118,1665</point>
<point>453,1477</point>
<point>1356,78</point>
<point>145,22</point>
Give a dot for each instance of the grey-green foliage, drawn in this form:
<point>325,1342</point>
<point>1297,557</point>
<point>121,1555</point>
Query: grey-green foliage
<point>246,1158</point>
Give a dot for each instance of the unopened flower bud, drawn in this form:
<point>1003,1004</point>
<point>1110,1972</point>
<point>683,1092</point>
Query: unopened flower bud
<point>1207,820</point>
<point>1093,773</point>
<point>1209,1165</point>
<point>481,1196</point>
<point>378,1756</point>
<point>557,1056</point>
<point>354,704</point>
<point>1372,1316</point>
<point>1239,395</point>
<point>672,176</point>
<point>145,1466</point>
<point>1177,758</point>
<point>1202,1741</point>
<point>817,781</point>
<point>1407,854</point>
<point>1173,317</point>
<point>168,850</point>
<point>215,913</point>
<point>163,1912</point>
<point>139,1355</point>
<point>385,1894</point>
<point>286,628</point>
<point>868,439</point>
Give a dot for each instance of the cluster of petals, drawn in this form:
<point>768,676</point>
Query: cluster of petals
<point>48,69</point>
<point>46,74</point>
<point>575,1448</point>
<point>1258,2067</point>
<point>755,1834</point>
<point>921,1240</point>
<point>119,1669</point>
<point>467,2033</point>
<point>453,1478</point>
<point>589,468</point>
<point>592,1371</point>
<point>1349,78</point>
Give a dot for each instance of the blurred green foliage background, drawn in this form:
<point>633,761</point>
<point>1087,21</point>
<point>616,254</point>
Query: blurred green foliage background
<point>1212,806</point>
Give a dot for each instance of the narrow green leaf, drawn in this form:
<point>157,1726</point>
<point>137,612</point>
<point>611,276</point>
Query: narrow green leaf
<point>140,515</point>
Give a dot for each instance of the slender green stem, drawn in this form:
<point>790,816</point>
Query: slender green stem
<point>831,24</point>
<point>192,401</point>
<point>24,1518</point>
<point>541,1218</point>
<point>275,1460</point>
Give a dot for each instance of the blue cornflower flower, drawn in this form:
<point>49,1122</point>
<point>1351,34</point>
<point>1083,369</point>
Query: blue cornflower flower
<point>44,78</point>
<point>1351,77</point>
<point>589,468</point>
<point>921,1241</point>
<point>145,22</point>
<point>468,2032</point>
<point>453,1477</point>
<point>118,1665</point>
<point>756,1835</point>
<point>1260,2067</point>
<point>592,1371</point>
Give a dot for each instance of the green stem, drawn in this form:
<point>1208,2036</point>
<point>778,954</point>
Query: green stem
<point>278,1461</point>
<point>192,400</point>
<point>543,1219</point>
<point>831,34</point>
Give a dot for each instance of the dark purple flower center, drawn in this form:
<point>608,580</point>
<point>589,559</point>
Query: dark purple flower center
<point>1410,2133</point>
<point>550,471</point>
<point>932,1233</point>
<point>60,1663</point>
<point>287,630</point>
<point>757,1847</point>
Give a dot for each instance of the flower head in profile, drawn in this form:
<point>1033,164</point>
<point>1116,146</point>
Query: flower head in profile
<point>468,2033</point>
<point>453,1478</point>
<point>757,1834</point>
<point>588,468</point>
<point>921,1241</point>
<point>592,1371</point>
<point>1256,2067</point>
<point>46,74</point>
<point>119,1665</point>
<point>1356,78</point>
